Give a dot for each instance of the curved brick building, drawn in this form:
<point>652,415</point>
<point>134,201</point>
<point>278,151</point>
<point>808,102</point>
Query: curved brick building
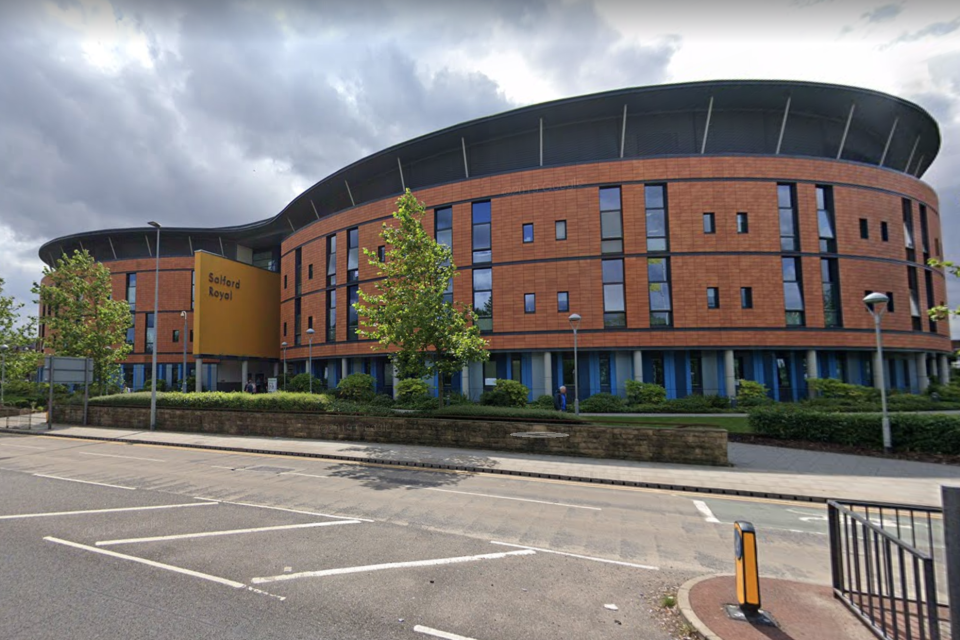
<point>705,232</point>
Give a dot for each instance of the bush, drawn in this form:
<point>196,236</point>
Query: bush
<point>411,389</point>
<point>603,403</point>
<point>455,399</point>
<point>750,390</point>
<point>381,400</point>
<point>506,393</point>
<point>698,404</point>
<point>300,383</point>
<point>543,402</point>
<point>281,401</point>
<point>340,405</point>
<point>148,385</point>
<point>645,392</point>
<point>357,387</point>
<point>832,388</point>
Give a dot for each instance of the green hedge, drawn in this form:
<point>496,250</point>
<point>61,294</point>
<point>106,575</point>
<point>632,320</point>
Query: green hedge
<point>480,412</point>
<point>930,433</point>
<point>281,401</point>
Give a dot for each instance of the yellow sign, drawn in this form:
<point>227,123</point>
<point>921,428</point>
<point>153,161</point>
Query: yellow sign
<point>748,569</point>
<point>236,309</point>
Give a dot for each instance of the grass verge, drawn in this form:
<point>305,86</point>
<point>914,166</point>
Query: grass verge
<point>733,424</point>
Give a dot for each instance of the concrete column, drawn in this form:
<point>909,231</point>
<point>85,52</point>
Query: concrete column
<point>244,372</point>
<point>396,380</point>
<point>943,368</point>
<point>729,374</point>
<point>344,368</point>
<point>199,375</point>
<point>548,372</point>
<point>638,365</point>
<point>813,369</point>
<point>923,380</point>
<point>465,381</point>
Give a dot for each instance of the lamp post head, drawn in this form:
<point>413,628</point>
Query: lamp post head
<point>876,302</point>
<point>283,344</point>
<point>310,331</point>
<point>183,314</point>
<point>574,320</point>
<point>155,225</point>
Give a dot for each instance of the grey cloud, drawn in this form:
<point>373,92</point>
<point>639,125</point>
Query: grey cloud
<point>883,14</point>
<point>935,30</point>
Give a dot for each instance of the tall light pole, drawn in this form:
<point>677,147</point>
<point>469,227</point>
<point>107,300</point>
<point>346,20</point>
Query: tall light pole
<point>283,345</point>
<point>183,374</point>
<point>3,370</point>
<point>156,333</point>
<point>310,333</point>
<point>575,323</point>
<point>876,305</point>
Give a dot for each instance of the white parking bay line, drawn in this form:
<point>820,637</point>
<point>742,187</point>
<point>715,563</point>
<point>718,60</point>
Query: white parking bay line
<point>22,446</point>
<point>436,633</point>
<point>305,475</point>
<point>151,563</point>
<point>115,510</point>
<point>99,484</point>
<point>488,495</point>
<point>574,555</point>
<point>390,565</point>
<point>705,510</point>
<point>300,511</point>
<point>229,532</point>
<point>110,455</point>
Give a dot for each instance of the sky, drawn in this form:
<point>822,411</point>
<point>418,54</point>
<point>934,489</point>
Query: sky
<point>219,112</point>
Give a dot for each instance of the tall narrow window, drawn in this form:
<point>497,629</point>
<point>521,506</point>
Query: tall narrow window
<point>309,322</point>
<point>908,229</point>
<point>297,318</point>
<point>331,260</point>
<point>928,281</point>
<point>131,330</point>
<point>825,220</point>
<point>924,234</point>
<point>482,252</point>
<point>353,254</point>
<point>193,287</point>
<point>658,277</point>
<point>743,222</point>
<point>563,301</point>
<point>298,272</point>
<point>332,315</point>
<point>793,292</point>
<point>890,308</point>
<point>884,232</point>
<point>611,221</point>
<point>914,299</point>
<point>528,233</point>
<point>655,198</point>
<point>284,329</point>
<point>176,335</point>
<point>382,253</point>
<point>614,306</point>
<point>443,231</point>
<point>529,303</point>
<point>713,297</point>
<point>864,228</point>
<point>560,226</point>
<point>353,318</point>
<point>132,291</point>
<point>310,271</point>
<point>483,298</point>
<point>709,223</point>
<point>151,331</point>
<point>746,297</point>
<point>789,238</point>
<point>830,279</point>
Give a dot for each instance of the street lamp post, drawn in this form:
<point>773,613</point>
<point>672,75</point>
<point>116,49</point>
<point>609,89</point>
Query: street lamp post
<point>283,345</point>
<point>575,323</point>
<point>156,326</point>
<point>876,305</point>
<point>3,370</point>
<point>183,374</point>
<point>310,333</point>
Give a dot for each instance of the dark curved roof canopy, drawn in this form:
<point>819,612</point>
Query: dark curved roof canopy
<point>751,117</point>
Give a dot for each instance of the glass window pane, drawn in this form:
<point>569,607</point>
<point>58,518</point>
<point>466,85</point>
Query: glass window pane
<point>528,233</point>
<point>613,297</point>
<point>657,270</point>
<point>529,302</point>
<point>786,222</point>
<point>789,269</point>
<point>656,223</point>
<point>792,296</point>
<point>481,212</point>
<point>610,199</point>
<point>612,271</point>
<point>561,227</point>
<point>611,246</point>
<point>821,201</point>
<point>659,296</point>
<point>480,257</point>
<point>659,319</point>
<point>445,218</point>
<point>615,319</point>
<point>445,237</point>
<point>653,195</point>
<point>482,279</point>
<point>784,196</point>
<point>563,301</point>
<point>483,303</point>
<point>481,236</point>
<point>708,223</point>
<point>610,225</point>
<point>826,223</point>
<point>656,244</point>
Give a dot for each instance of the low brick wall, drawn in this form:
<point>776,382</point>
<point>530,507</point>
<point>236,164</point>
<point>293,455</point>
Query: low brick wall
<point>681,445</point>
<point>6,412</point>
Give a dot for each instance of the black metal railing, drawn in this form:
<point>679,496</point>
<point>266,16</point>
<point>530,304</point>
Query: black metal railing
<point>884,561</point>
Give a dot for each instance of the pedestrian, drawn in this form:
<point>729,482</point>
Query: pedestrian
<point>560,399</point>
<point>250,388</point>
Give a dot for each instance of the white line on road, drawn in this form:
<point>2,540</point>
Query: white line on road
<point>705,510</point>
<point>263,506</point>
<point>158,565</point>
<point>22,446</point>
<point>77,513</point>
<point>390,565</point>
<point>436,633</point>
<point>575,555</point>
<point>110,455</point>
<point>99,484</point>
<point>207,534</point>
<point>217,466</point>
<point>305,475</point>
<point>487,495</point>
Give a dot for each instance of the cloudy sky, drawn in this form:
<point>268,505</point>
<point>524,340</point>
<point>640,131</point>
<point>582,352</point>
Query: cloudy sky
<point>210,112</point>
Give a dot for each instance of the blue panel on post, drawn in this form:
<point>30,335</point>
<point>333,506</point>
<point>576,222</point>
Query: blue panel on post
<point>526,373</point>
<point>593,368</point>
<point>669,374</point>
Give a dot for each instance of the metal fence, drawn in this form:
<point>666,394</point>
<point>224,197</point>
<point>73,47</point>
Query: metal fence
<point>35,420</point>
<point>887,563</point>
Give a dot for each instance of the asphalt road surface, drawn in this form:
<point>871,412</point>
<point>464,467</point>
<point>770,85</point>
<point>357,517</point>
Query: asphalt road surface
<point>110,540</point>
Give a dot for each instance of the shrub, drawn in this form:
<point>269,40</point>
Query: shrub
<point>543,402</point>
<point>479,412</point>
<point>281,401</point>
<point>148,385</point>
<point>698,404</point>
<point>340,405</point>
<point>421,403</point>
<point>300,383</point>
<point>751,390</point>
<point>506,393</point>
<point>454,398</point>
<point>645,392</point>
<point>357,387</point>
<point>603,403</point>
<point>410,389</point>
<point>381,400</point>
<point>832,388</point>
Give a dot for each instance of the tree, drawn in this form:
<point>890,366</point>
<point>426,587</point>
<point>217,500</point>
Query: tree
<point>408,310</point>
<point>19,334</point>
<point>83,319</point>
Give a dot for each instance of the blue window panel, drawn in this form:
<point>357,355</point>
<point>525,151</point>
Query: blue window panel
<point>593,370</point>
<point>669,374</point>
<point>613,372</point>
<point>832,369</point>
<point>756,363</point>
<point>209,384</point>
<point>138,377</point>
<point>526,371</point>
<point>798,383</point>
<point>503,369</point>
<point>722,377</point>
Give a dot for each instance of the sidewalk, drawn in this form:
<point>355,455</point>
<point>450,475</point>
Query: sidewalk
<point>757,470</point>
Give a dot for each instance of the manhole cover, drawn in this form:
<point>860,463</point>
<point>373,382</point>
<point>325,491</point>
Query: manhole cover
<point>539,434</point>
<point>266,469</point>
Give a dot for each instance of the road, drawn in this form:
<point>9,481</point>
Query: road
<point>104,540</point>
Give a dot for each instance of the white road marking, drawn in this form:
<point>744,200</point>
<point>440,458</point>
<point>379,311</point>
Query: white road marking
<point>99,484</point>
<point>217,466</point>
<point>263,506</point>
<point>390,565</point>
<point>158,565</point>
<point>22,446</point>
<point>110,455</point>
<point>575,555</point>
<point>207,534</point>
<point>77,513</point>
<point>305,475</point>
<point>436,633</point>
<point>487,495</point>
<point>705,510</point>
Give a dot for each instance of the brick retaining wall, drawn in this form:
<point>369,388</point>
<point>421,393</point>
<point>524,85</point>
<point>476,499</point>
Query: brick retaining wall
<point>701,445</point>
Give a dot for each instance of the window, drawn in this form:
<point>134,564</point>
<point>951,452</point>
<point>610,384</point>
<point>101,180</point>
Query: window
<point>709,225</point>
<point>529,303</point>
<point>353,318</point>
<point>132,291</point>
<point>151,332</point>
<point>443,231</point>
<point>332,315</point>
<point>830,278</point>
<point>789,238</point>
<point>713,297</point>
<point>193,287</point>
<point>793,292</point>
<point>353,254</point>
<point>864,228</point>
<point>914,299</point>
<point>267,259</point>
<point>614,306</point>
<point>176,335</point>
<point>924,234</point>
<point>884,233</point>
<point>658,278</point>
<point>890,303</point>
<point>527,232</point>
<point>382,253</point>
<point>284,329</point>
<point>937,243</point>
<point>298,272</point>
<point>655,197</point>
<point>825,220</point>
<point>560,227</point>
<point>928,282</point>
<point>908,229</point>
<point>563,301</point>
<point>309,322</point>
<point>743,223</point>
<point>481,232</point>
<point>611,221</point>
<point>297,310</point>
<point>191,335</point>
<point>284,281</point>
<point>331,260</point>
<point>310,272</point>
<point>131,330</point>
<point>746,297</point>
<point>483,298</point>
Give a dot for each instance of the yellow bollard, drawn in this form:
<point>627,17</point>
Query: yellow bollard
<point>748,569</point>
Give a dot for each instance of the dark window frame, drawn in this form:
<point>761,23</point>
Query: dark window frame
<point>713,297</point>
<point>530,303</point>
<point>527,226</point>
<point>557,226</point>
<point>746,297</point>
<point>743,222</point>
<point>709,223</point>
<point>563,304</point>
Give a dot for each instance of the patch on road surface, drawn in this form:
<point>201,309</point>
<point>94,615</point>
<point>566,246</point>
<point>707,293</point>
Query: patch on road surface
<point>268,469</point>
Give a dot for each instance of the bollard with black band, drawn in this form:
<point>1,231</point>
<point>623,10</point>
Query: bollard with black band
<point>748,569</point>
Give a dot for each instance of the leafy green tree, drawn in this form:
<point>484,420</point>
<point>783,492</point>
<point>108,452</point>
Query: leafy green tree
<point>19,334</point>
<point>84,320</point>
<point>408,310</point>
